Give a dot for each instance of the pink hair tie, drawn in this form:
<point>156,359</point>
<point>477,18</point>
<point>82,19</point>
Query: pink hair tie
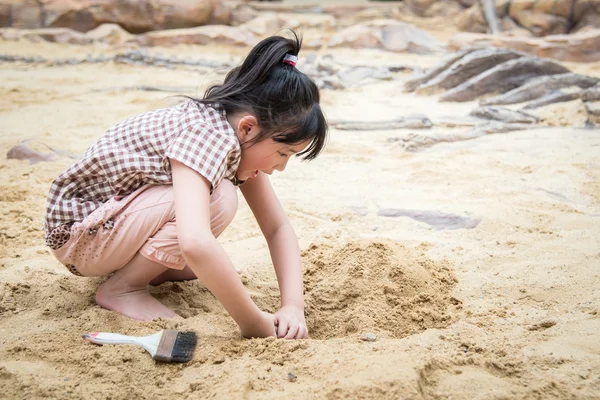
<point>290,59</point>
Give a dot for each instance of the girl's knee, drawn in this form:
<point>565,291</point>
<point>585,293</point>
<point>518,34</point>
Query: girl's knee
<point>223,206</point>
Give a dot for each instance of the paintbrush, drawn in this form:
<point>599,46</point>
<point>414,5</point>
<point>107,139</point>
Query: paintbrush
<point>167,345</point>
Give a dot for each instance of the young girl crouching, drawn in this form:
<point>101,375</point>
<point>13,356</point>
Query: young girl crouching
<point>147,201</point>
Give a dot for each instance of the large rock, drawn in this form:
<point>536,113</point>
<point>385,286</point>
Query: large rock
<point>270,23</point>
<point>432,8</point>
<point>135,16</point>
<point>209,34</point>
<point>25,14</point>
<point>586,15</point>
<point>542,17</point>
<point>467,67</point>
<point>107,33</point>
<point>386,34</point>
<point>538,17</point>
<point>580,47</point>
<point>503,78</point>
<point>542,86</point>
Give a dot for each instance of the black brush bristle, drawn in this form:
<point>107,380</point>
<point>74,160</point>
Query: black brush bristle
<point>183,349</point>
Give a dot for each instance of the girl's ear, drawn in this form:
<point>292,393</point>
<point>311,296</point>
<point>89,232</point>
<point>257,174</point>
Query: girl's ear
<point>247,128</point>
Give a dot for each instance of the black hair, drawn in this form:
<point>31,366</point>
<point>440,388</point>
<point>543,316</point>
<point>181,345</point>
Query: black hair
<point>284,100</point>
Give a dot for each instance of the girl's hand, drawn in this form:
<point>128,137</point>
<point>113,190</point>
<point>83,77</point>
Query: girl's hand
<point>290,323</point>
<point>264,327</point>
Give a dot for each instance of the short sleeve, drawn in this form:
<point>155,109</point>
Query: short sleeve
<point>204,150</point>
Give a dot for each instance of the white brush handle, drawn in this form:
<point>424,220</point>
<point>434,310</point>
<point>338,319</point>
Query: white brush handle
<point>112,338</point>
<point>150,343</point>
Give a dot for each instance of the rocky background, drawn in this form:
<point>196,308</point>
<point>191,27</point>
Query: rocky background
<point>449,230</point>
<point>523,17</point>
<point>535,26</point>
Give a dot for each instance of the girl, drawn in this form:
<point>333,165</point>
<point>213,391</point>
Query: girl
<point>147,201</point>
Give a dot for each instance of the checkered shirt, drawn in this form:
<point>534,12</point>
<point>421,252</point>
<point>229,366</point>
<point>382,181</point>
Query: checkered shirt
<point>136,152</point>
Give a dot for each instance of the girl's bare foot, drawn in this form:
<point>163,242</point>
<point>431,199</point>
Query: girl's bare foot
<point>126,291</point>
<point>131,301</point>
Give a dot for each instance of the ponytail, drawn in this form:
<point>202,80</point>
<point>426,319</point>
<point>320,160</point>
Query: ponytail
<point>284,100</point>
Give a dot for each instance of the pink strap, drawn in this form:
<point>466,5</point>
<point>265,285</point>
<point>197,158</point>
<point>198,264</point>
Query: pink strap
<point>290,59</point>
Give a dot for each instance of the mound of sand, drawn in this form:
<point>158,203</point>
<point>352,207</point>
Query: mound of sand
<point>373,286</point>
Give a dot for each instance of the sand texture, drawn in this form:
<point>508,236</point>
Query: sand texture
<point>485,285</point>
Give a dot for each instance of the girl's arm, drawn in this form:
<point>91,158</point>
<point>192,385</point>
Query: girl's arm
<point>206,257</point>
<point>285,253</point>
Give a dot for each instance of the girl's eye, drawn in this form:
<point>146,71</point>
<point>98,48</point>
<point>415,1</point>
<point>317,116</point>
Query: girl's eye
<point>282,154</point>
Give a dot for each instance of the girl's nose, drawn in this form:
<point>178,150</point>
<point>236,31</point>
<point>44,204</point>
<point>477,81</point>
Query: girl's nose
<point>281,166</point>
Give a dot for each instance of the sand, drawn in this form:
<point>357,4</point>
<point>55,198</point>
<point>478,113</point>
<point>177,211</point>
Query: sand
<point>507,309</point>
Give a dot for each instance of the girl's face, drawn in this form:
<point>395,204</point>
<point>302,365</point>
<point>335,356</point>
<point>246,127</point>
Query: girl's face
<point>266,156</point>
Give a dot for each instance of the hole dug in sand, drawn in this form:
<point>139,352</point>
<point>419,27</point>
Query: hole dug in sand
<point>373,286</point>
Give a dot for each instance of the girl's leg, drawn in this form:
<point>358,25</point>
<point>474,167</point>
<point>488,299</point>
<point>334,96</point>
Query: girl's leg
<point>159,259</point>
<point>223,206</point>
<point>126,291</point>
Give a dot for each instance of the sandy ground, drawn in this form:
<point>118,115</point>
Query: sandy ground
<point>508,309</point>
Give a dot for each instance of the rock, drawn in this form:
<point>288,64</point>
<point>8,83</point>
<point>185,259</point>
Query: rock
<point>432,8</point>
<point>504,115</point>
<point>567,94</point>
<point>355,76</point>
<point>557,96</point>
<point>586,15</point>
<point>502,78</point>
<point>369,337</point>
<point>388,35</point>
<point>210,34</point>
<point>264,24</point>
<point>542,17</point>
<point>536,17</point>
<point>58,35</point>
<point>493,127</point>
<point>467,67</point>
<point>579,47</point>
<point>292,377</point>
<point>567,114</point>
<point>140,57</point>
<point>591,94</point>
<point>437,219</point>
<point>408,122</point>
<point>415,142</point>
<point>357,10</point>
<point>341,10</point>
<point>314,44</point>
<point>593,112</point>
<point>540,87</point>
<point>109,33</point>
<point>35,152</point>
<point>510,28</point>
<point>24,14</point>
<point>222,12</point>
<point>10,33</point>
<point>422,77</point>
<point>270,23</point>
<point>331,82</point>
<point>473,19</point>
<point>23,152</point>
<point>243,13</point>
<point>135,16</point>
<point>55,35</point>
